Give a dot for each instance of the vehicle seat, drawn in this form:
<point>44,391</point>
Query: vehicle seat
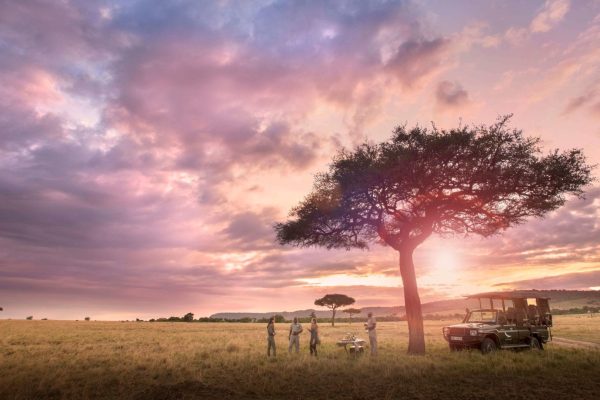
<point>510,315</point>
<point>532,314</point>
<point>502,320</point>
<point>520,316</point>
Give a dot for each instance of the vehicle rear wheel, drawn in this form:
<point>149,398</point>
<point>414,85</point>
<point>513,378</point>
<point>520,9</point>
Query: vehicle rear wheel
<point>535,344</point>
<point>488,346</point>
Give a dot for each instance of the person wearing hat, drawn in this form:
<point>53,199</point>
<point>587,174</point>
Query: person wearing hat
<point>371,325</point>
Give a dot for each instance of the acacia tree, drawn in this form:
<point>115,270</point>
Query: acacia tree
<point>351,312</point>
<point>333,302</point>
<point>469,180</point>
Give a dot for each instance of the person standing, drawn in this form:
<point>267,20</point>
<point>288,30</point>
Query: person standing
<point>314,336</point>
<point>295,331</point>
<point>271,337</point>
<point>371,325</point>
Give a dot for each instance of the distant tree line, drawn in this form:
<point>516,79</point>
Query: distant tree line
<point>582,310</point>
<point>189,317</point>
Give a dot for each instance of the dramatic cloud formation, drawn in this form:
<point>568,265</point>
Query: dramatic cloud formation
<point>147,148</point>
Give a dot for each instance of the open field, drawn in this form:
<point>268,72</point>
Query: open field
<point>55,359</point>
<point>578,327</point>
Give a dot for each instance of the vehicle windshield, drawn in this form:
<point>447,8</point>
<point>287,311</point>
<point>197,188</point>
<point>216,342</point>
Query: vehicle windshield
<point>482,316</point>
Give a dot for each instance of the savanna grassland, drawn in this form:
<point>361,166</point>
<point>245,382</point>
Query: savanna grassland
<point>141,360</point>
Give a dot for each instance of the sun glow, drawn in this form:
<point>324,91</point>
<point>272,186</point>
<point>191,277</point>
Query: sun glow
<point>446,260</point>
<point>444,267</point>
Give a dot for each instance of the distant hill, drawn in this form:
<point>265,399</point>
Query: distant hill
<point>559,299</point>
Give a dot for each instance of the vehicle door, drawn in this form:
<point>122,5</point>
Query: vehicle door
<point>507,330</point>
<point>522,327</point>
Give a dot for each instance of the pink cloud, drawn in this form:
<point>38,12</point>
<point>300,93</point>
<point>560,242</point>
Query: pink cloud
<point>551,14</point>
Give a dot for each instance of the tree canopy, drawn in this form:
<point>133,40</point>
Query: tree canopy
<point>333,302</point>
<point>469,180</point>
<point>351,312</point>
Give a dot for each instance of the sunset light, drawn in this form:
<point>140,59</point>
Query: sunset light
<point>157,145</point>
<point>299,199</point>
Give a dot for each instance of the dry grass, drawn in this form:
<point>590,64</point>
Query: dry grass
<point>54,359</point>
<point>578,327</point>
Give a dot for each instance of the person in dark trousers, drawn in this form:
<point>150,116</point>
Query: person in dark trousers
<point>314,336</point>
<point>271,337</point>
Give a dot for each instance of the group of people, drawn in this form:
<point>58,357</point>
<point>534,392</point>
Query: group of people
<point>296,329</point>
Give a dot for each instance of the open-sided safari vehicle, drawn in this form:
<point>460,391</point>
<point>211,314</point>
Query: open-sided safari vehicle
<point>504,320</point>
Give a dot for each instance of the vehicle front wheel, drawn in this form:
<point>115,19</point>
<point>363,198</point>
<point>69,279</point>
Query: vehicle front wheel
<point>488,346</point>
<point>535,344</point>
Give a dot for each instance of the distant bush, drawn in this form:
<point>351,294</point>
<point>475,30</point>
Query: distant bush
<point>29,318</point>
<point>209,319</point>
<point>279,318</point>
<point>582,310</point>
<point>87,318</point>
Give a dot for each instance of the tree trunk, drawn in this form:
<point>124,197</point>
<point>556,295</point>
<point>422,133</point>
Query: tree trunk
<point>412,302</point>
<point>333,318</point>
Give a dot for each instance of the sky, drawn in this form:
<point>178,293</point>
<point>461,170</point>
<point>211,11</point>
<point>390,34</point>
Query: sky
<point>147,148</point>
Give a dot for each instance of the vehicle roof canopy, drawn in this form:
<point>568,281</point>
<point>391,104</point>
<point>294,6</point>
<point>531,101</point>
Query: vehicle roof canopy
<point>514,294</point>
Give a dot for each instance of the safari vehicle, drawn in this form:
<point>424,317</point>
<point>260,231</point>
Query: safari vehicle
<point>504,320</point>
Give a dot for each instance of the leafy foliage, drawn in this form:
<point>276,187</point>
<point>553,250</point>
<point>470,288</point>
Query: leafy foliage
<point>470,180</point>
<point>333,301</point>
